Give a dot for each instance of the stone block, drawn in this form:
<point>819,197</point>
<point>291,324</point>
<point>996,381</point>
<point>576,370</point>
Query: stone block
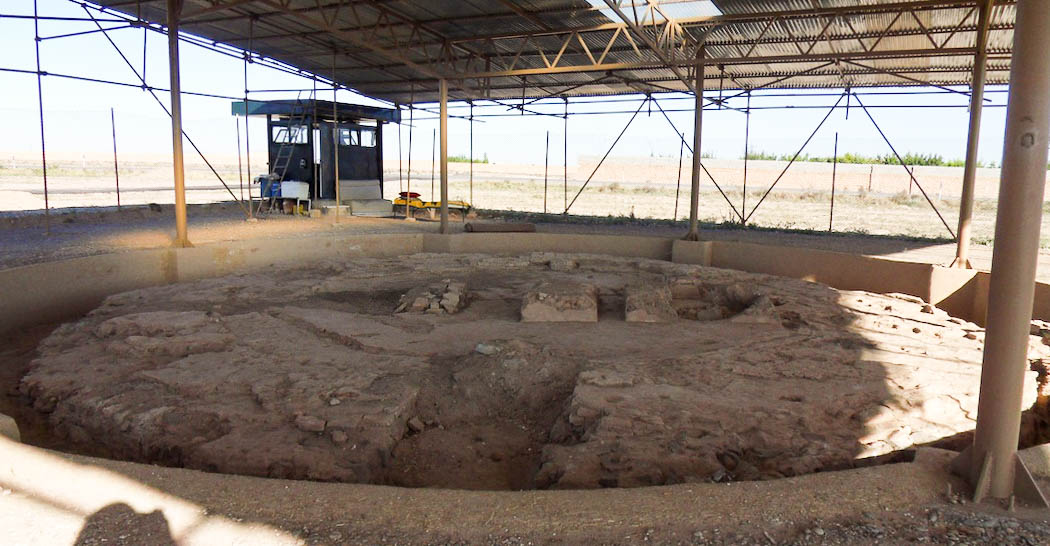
<point>561,302</point>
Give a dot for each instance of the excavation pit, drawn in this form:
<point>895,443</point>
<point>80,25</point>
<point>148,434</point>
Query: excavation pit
<point>686,374</point>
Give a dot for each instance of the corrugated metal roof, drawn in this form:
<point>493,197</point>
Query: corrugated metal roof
<point>396,50</point>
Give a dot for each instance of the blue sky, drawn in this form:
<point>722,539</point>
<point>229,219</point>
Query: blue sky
<point>77,113</point>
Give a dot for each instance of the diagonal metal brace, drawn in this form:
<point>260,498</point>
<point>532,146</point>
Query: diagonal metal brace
<point>247,213</point>
<point>609,151</point>
<point>793,158</point>
<point>690,148</point>
<point>905,167</point>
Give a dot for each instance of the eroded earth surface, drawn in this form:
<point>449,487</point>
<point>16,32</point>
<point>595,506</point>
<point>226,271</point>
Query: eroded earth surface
<point>420,371</point>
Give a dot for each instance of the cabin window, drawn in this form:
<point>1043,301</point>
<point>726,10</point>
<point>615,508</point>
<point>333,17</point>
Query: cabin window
<point>368,138</point>
<point>349,137</point>
<point>296,134</point>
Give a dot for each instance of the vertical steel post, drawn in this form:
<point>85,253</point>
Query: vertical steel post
<point>400,180</point>
<point>443,84</point>
<point>247,133</point>
<point>962,244</point>
<point>747,144</point>
<point>678,186</point>
<point>993,457</point>
<point>145,37</point>
<point>834,169</point>
<point>565,155</point>
<point>335,138</point>
<point>240,167</point>
<point>315,145</point>
<point>433,161</point>
<point>694,188</point>
<point>408,176</point>
<point>116,167</point>
<point>546,161</point>
<point>40,102</point>
<point>472,153</point>
<point>181,235</point>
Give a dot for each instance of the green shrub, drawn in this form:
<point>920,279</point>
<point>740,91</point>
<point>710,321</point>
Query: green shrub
<point>465,159</point>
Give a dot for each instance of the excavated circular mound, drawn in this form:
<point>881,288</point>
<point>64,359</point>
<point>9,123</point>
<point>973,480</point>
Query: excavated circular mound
<point>462,371</point>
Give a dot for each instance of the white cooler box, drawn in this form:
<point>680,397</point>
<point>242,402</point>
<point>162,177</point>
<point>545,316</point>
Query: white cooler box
<point>293,189</point>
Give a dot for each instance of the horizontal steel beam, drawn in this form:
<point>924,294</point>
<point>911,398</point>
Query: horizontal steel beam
<point>730,61</point>
<point>403,86</point>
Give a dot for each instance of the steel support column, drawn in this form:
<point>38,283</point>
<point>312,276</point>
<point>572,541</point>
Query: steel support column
<point>962,245</point>
<point>443,84</point>
<point>991,463</point>
<point>698,113</point>
<point>335,138</point>
<point>116,166</point>
<point>247,134</point>
<point>40,103</point>
<point>181,235</point>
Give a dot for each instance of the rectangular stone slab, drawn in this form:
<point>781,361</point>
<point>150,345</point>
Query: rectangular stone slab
<point>560,302</point>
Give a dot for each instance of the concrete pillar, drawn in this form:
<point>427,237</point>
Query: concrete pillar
<point>962,248</point>
<point>992,459</point>
<point>181,235</point>
<point>443,84</point>
<point>694,188</point>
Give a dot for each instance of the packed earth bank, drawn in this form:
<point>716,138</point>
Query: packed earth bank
<point>487,372</point>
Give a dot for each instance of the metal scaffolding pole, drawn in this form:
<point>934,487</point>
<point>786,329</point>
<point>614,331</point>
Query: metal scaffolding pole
<point>315,145</point>
<point>433,160</point>
<point>546,162</point>
<point>681,137</point>
<point>471,158</point>
<point>116,166</point>
<point>606,156</point>
<point>40,102</point>
<point>694,188</point>
<point>796,156</point>
<point>565,156</point>
<point>181,235</point>
<point>991,463</point>
<point>834,169</point>
<point>408,175</point>
<point>747,151</point>
<point>240,166</point>
<point>400,179</point>
<point>335,138</point>
<point>678,186</point>
<point>247,134</point>
<point>152,92</point>
<point>911,172</point>
<point>444,155</point>
<point>962,246</point>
